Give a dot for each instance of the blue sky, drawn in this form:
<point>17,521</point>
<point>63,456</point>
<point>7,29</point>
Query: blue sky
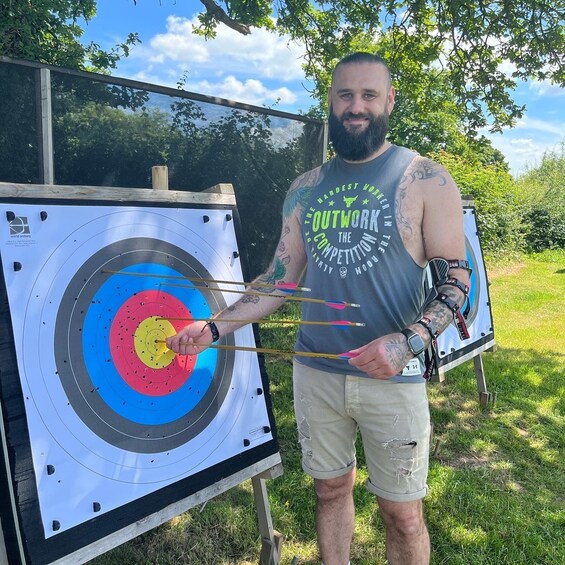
<point>265,70</point>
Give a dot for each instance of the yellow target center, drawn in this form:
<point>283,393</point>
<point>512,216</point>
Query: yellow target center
<point>147,338</point>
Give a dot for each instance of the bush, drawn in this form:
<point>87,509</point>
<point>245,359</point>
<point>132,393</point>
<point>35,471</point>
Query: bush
<point>498,202</point>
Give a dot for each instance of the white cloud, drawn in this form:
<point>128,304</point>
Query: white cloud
<point>550,129</point>
<point>545,88</point>
<point>261,53</point>
<point>251,91</point>
<point>231,66</point>
<point>523,152</point>
<point>520,153</point>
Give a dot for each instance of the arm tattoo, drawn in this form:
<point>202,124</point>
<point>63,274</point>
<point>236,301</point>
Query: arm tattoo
<point>402,221</point>
<point>250,298</point>
<point>277,270</point>
<point>427,169</point>
<point>439,313</point>
<point>299,192</point>
<point>396,353</point>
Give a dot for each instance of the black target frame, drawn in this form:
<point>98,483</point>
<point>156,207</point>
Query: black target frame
<point>20,514</point>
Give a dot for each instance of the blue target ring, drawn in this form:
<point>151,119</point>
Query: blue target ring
<point>475,290</point>
<point>111,387</point>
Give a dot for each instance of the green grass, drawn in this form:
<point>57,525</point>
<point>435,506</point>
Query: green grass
<point>497,475</point>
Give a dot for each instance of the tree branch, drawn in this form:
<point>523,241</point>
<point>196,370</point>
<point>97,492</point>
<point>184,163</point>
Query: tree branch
<point>218,13</point>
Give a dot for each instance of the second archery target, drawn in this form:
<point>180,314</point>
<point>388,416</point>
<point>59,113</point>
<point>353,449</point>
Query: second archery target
<point>451,350</point>
<point>112,414</point>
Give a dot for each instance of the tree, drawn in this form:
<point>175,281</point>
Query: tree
<point>543,193</point>
<point>48,32</point>
<point>461,43</point>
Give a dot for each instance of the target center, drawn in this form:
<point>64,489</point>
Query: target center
<point>148,342</point>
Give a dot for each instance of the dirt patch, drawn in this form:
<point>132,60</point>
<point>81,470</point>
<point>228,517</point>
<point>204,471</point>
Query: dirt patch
<point>504,270</point>
<point>467,462</point>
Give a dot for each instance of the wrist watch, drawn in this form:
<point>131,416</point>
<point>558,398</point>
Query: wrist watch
<point>415,342</point>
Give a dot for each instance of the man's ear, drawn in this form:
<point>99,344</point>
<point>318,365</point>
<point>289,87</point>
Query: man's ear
<point>391,98</point>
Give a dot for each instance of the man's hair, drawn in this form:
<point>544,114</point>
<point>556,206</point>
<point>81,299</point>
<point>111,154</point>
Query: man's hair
<point>362,57</point>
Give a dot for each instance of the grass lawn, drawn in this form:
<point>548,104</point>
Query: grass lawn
<point>497,476</point>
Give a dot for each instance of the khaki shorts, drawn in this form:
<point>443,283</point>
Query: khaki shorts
<point>393,419</point>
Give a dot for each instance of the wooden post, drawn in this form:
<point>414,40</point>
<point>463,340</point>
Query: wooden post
<point>485,397</point>
<point>46,127</point>
<point>160,177</point>
<point>271,540</point>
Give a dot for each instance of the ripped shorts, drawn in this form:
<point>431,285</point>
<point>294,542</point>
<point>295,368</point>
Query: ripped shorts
<point>393,419</point>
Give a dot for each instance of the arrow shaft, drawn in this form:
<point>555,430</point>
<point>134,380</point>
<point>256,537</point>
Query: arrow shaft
<point>268,350</point>
<point>282,286</point>
<point>345,323</point>
<point>250,293</point>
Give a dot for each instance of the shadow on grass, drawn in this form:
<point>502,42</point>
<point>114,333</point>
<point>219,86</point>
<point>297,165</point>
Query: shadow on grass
<point>496,488</point>
<point>495,481</point>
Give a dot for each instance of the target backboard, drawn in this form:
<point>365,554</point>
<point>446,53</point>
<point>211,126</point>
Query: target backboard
<point>102,425</point>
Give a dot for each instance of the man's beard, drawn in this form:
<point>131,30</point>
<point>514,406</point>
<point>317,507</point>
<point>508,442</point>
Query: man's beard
<point>357,145</point>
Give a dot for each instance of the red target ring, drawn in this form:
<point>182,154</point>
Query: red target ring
<point>146,367</point>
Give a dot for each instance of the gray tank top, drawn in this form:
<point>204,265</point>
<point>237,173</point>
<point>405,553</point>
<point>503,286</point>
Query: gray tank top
<point>355,254</point>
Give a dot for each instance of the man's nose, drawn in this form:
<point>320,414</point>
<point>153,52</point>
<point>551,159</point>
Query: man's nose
<point>357,105</point>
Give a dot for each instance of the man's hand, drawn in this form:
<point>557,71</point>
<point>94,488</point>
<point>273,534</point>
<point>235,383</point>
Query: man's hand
<point>384,357</point>
<point>191,340</point>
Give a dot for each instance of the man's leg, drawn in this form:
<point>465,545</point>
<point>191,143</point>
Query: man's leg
<point>327,439</point>
<point>335,517</point>
<point>407,539</point>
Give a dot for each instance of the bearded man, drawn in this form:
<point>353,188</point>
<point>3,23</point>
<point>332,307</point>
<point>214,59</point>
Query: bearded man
<point>362,228</point>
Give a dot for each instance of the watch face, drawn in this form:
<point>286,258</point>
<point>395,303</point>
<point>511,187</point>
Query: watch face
<point>415,342</point>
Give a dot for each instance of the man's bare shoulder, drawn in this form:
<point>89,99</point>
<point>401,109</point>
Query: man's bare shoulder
<point>307,179</point>
<point>425,173</point>
<point>300,190</point>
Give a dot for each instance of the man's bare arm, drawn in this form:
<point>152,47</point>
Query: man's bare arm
<point>287,266</point>
<point>444,237</point>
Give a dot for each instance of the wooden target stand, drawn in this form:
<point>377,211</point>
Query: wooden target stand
<point>22,540</point>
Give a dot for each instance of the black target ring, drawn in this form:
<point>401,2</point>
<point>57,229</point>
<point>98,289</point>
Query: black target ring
<point>82,388</point>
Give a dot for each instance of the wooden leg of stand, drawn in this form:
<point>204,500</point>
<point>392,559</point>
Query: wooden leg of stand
<point>271,539</point>
<point>484,396</point>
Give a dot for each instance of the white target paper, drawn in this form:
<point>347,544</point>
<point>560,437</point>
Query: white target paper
<point>109,423</point>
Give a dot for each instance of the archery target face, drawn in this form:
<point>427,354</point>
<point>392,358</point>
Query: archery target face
<point>112,414</point>
<point>479,318</point>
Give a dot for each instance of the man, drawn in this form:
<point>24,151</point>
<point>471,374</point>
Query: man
<point>364,226</point>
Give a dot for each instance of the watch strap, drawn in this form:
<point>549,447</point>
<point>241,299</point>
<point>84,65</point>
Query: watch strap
<point>213,330</point>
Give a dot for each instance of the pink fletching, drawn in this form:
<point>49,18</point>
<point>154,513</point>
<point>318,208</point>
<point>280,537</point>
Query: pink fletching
<point>348,355</point>
<point>336,304</point>
<point>286,287</point>
<point>341,324</point>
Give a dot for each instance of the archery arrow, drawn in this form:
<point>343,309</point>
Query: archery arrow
<point>335,304</point>
<point>345,356</point>
<point>284,287</point>
<point>341,324</point>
